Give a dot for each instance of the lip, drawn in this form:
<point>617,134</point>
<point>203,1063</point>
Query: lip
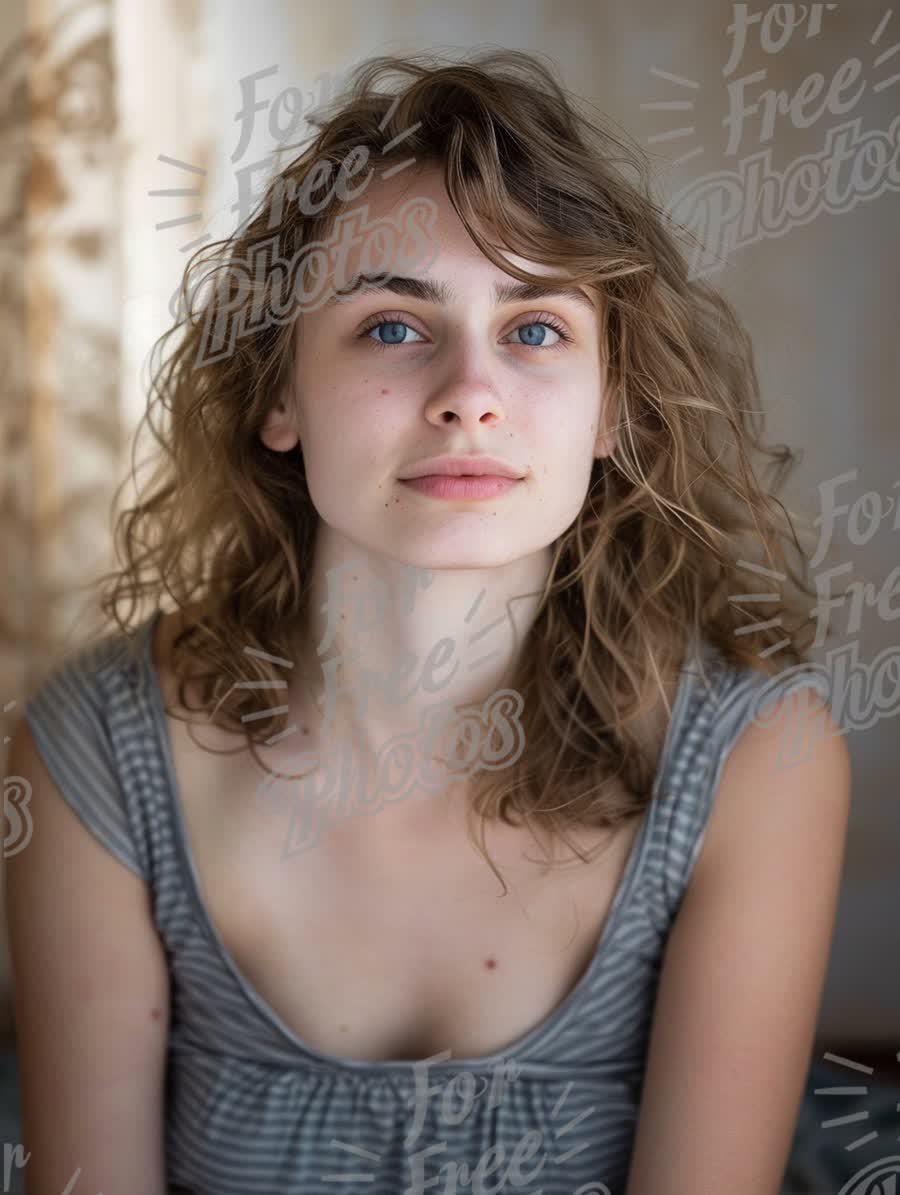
<point>459,466</point>
<point>465,489</point>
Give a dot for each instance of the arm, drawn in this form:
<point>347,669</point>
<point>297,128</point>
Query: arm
<point>89,982</point>
<point>741,982</point>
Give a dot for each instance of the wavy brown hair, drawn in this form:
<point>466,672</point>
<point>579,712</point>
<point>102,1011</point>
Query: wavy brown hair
<point>674,524</point>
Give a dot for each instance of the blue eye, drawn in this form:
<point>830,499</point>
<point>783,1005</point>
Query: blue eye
<point>557,332</point>
<point>395,332</point>
<point>395,335</point>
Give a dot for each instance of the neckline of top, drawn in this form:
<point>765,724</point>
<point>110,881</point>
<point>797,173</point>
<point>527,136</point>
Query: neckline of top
<point>544,1030</point>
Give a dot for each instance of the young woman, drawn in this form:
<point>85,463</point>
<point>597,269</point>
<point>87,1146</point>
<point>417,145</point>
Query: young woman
<point>436,834</point>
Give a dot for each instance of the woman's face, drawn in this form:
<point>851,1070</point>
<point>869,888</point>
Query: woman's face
<point>384,380</point>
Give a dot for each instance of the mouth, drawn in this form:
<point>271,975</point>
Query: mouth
<point>465,487</point>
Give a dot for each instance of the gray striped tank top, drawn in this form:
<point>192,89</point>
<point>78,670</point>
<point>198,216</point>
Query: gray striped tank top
<point>250,1108</point>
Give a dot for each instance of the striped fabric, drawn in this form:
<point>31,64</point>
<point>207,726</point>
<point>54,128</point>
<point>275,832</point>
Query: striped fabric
<point>250,1108</point>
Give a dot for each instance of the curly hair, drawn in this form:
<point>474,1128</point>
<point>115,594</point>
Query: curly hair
<point>677,536</point>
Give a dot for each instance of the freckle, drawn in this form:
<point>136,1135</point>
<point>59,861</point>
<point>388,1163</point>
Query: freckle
<point>490,963</point>
<point>343,1028</point>
<point>155,1014</point>
<point>385,392</point>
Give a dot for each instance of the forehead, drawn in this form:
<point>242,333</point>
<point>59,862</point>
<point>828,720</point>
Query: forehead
<point>383,199</point>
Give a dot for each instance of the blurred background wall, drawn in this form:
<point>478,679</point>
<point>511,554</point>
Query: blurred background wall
<point>112,107</point>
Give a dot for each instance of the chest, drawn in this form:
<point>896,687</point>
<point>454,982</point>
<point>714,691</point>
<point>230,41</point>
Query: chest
<point>391,937</point>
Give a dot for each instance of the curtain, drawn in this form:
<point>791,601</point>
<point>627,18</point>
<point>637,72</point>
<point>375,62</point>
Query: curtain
<point>85,280</point>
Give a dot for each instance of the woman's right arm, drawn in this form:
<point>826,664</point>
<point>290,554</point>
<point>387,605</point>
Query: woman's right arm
<point>91,1003</point>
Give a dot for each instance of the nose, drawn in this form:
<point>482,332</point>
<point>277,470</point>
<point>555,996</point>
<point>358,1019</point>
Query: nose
<point>469,397</point>
<point>469,411</point>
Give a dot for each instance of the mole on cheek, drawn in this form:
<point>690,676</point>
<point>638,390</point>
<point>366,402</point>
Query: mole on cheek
<point>385,392</point>
<point>155,1014</point>
<point>490,963</point>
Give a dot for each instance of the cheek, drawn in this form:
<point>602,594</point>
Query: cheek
<point>337,412</point>
<point>352,441</point>
<point>360,399</point>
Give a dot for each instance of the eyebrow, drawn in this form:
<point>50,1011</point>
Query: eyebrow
<point>430,291</point>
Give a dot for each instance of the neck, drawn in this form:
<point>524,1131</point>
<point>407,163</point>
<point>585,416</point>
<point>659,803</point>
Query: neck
<point>390,647</point>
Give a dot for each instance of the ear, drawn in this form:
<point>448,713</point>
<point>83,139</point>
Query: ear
<point>604,445</point>
<point>280,431</point>
<point>606,441</point>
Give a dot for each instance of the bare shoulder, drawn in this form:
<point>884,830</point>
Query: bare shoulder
<point>745,963</point>
<point>90,977</point>
<point>769,787</point>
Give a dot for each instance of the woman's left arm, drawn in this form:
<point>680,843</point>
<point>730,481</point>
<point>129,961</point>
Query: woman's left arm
<point>742,978</point>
